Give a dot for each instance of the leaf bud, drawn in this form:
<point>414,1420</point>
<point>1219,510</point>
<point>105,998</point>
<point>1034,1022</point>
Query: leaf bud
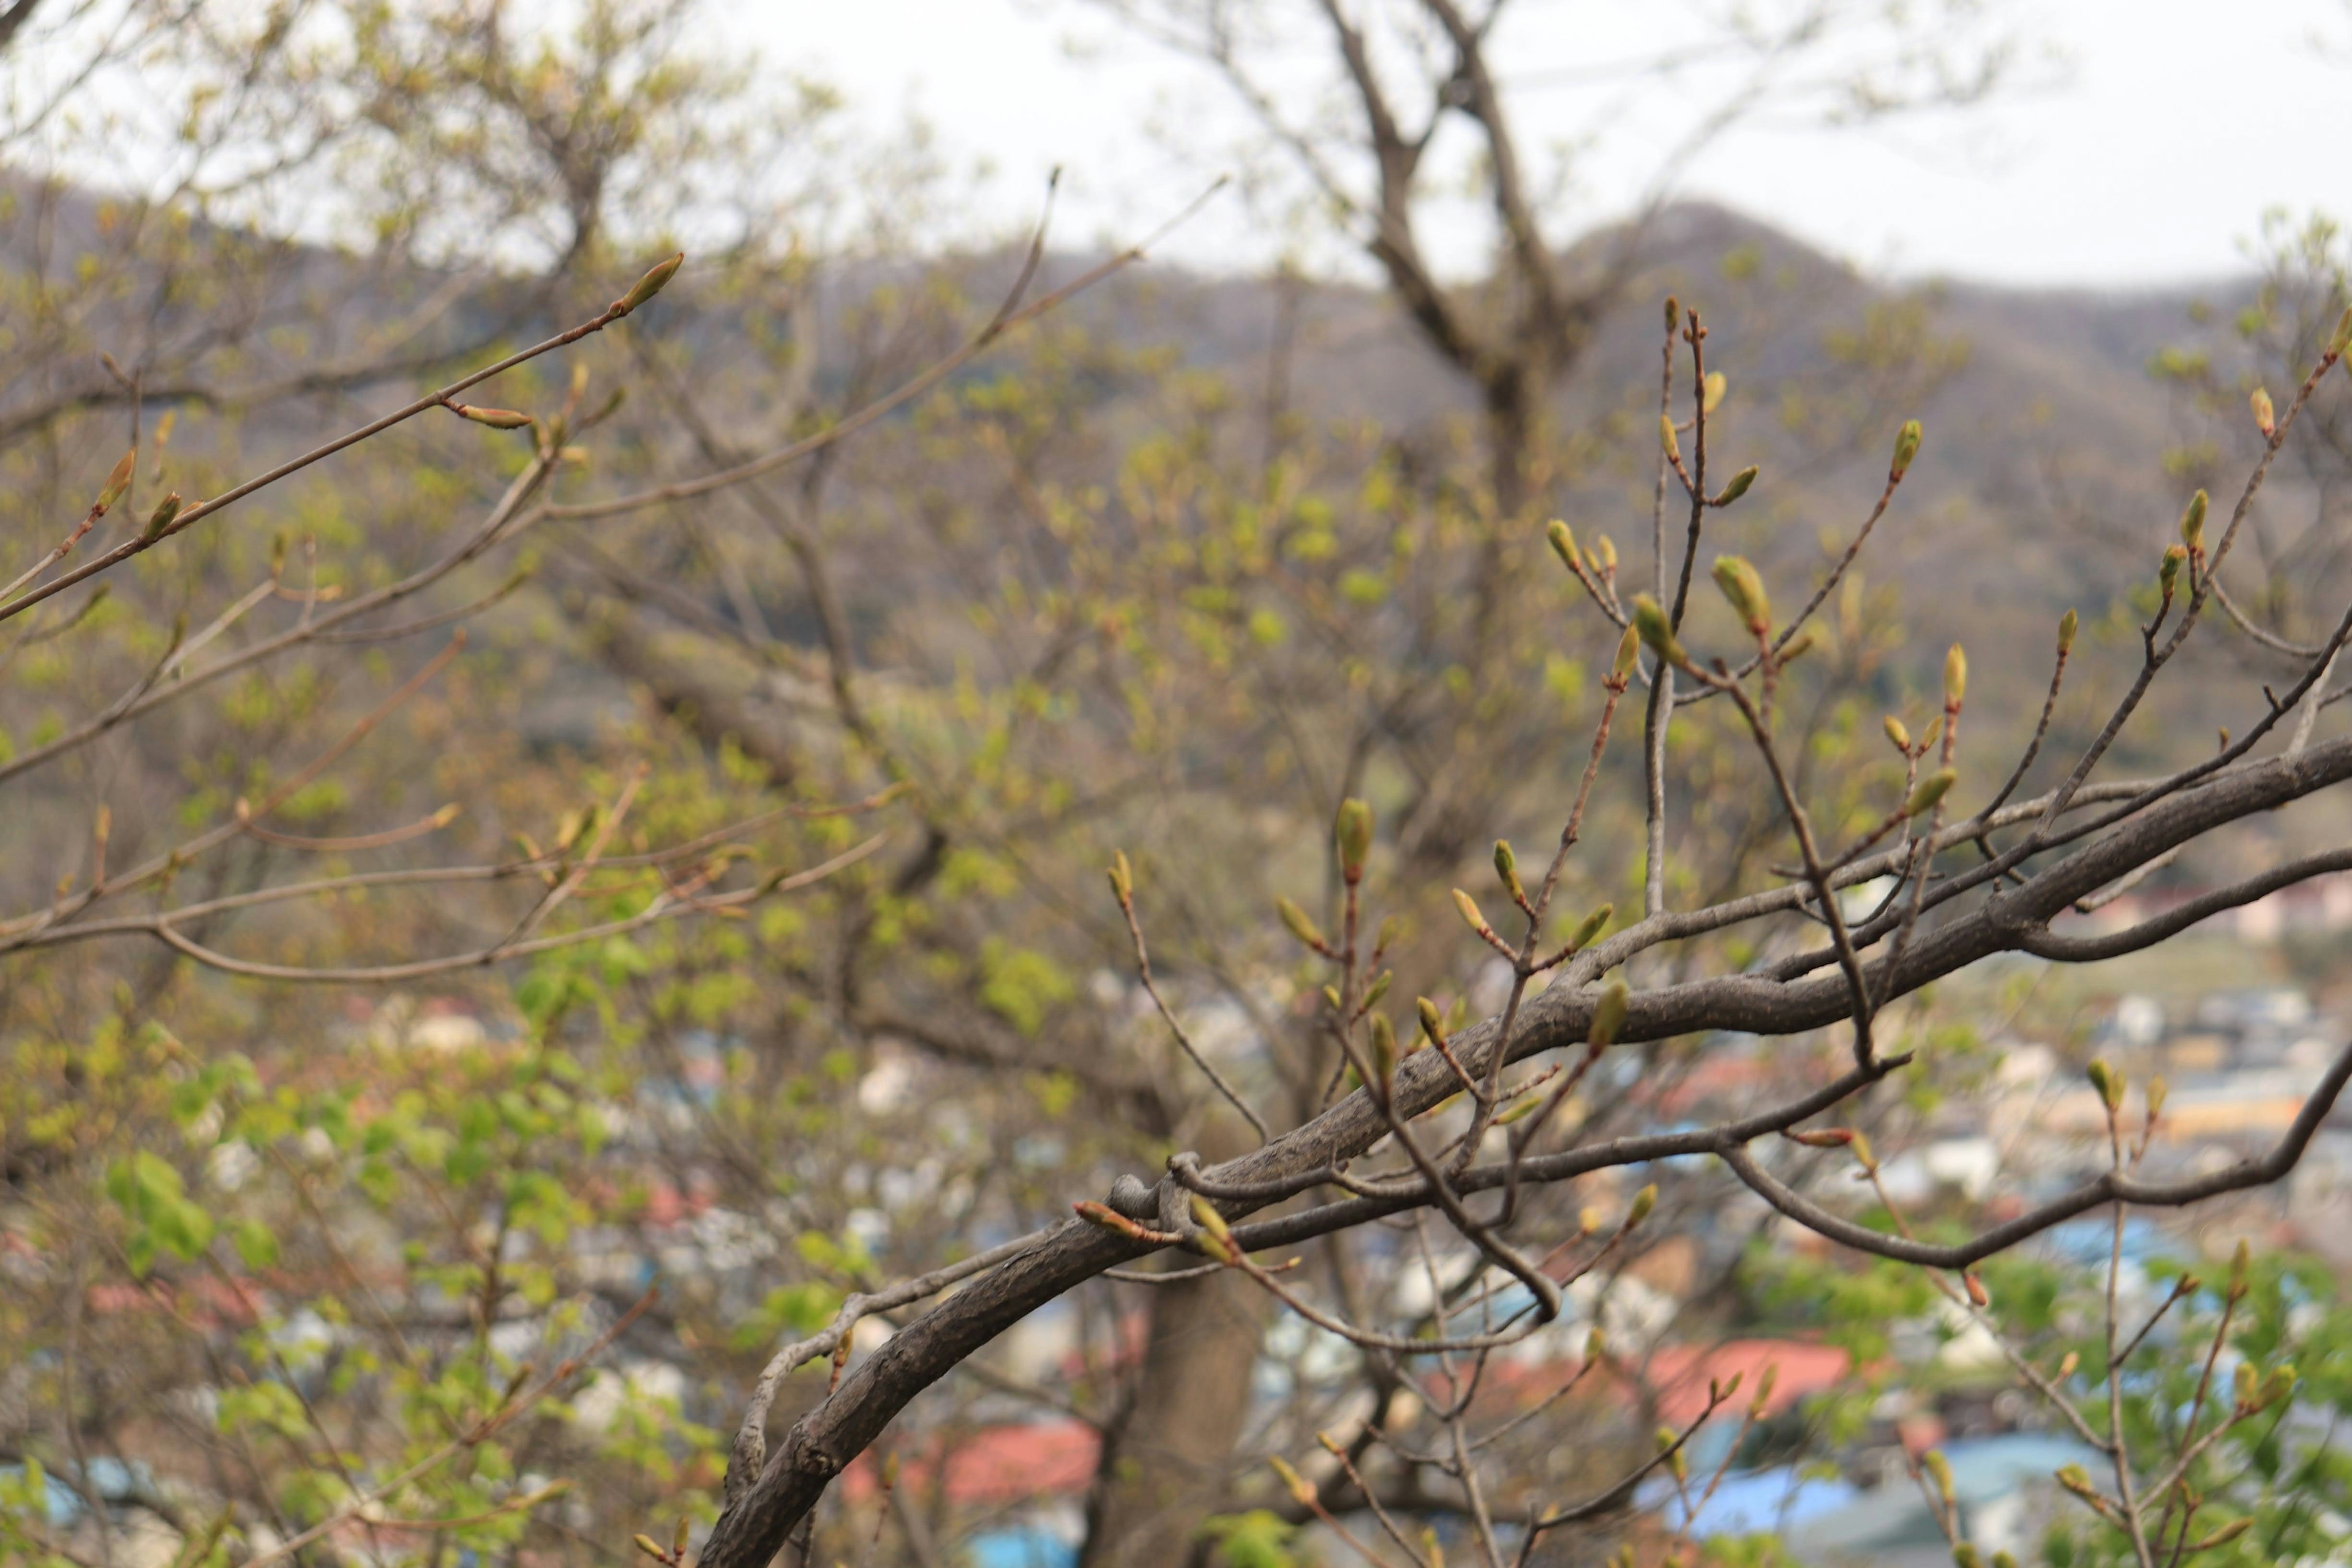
<point>1590,926</point>
<point>117,482</point>
<point>2243,1387</point>
<point>1862,1153</point>
<point>1470,915</point>
<point>1956,677</point>
<point>651,284</point>
<point>1657,632</point>
<point>1907,446</point>
<point>1628,651</point>
<point>2107,1081</point>
<point>2341,338</point>
<point>1506,866</point>
<point>1122,879</point>
<point>1929,791</point>
<point>2265,416</point>
<point>1711,389</point>
<point>161,517</point>
<point>1964,1554</point>
<point>645,1544</point>
<point>2075,1479</point>
<point>1738,486</point>
<point>495,418</point>
<point>2239,1260</point>
<point>2224,1536</point>
<point>1756,1406</point>
<point>1939,1471</point>
<point>1596,1343</point>
<point>1609,1013</point>
<point>1587,1219</point>
<point>2279,1385</point>
<point>1302,1490</point>
<point>2068,1362</point>
<point>2192,522</point>
<point>1379,987</point>
<point>2156,1090</point>
<point>1304,928</point>
<point>1353,835</point>
<point>1743,589</point>
<point>1644,1202</point>
<point>1563,542</point>
<point>2003,1560</point>
<point>1978,1294</point>
<point>2066,625</point>
<point>1432,1025</point>
<point>1667,440</point>
<point>1796,647</point>
<point>2167,571</point>
<point>1898,734</point>
<point>1674,312</point>
<point>1603,554</point>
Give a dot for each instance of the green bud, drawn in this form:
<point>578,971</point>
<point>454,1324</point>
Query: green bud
<point>1609,1013</point>
<point>1563,542</point>
<point>2192,522</point>
<point>1470,915</point>
<point>1674,312</point>
<point>1738,486</point>
<point>651,284</point>
<point>1939,1471</point>
<point>2003,1560</point>
<point>1667,440</point>
<point>2278,1386</point>
<point>1898,734</point>
<point>1929,791</point>
<point>2224,1536</point>
<point>1964,1554</point>
<point>1796,647</point>
<point>1711,389</point>
<point>1506,866</point>
<point>1301,1490</point>
<point>2066,625</point>
<point>2156,1090</point>
<point>1656,631</point>
<point>1302,928</point>
<point>2265,416</point>
<point>1205,1216</point>
<point>1385,1053</point>
<point>2341,338</point>
<point>118,481</point>
<point>2075,1479</point>
<point>1353,835</point>
<point>1628,652</point>
<point>2244,1384</point>
<point>1603,554</point>
<point>1122,879</point>
<point>2106,1081</point>
<point>495,418</point>
<point>1589,927</point>
<point>1644,1202</point>
<point>1907,446</point>
<point>1432,1025</point>
<point>2167,571</point>
<point>1956,677</point>
<point>1379,988</point>
<point>1744,588</point>
<point>2239,1261</point>
<point>161,517</point>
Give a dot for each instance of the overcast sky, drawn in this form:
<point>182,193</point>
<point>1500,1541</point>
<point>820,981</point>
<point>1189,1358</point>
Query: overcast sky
<point>2176,124</point>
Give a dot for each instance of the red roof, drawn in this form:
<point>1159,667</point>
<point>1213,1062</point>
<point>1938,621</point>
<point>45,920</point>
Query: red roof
<point>999,1465</point>
<point>1680,1373</point>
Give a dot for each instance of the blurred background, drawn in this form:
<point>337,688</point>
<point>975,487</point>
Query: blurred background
<point>1246,524</point>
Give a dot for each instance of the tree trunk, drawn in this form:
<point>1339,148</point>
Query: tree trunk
<point>1166,1461</point>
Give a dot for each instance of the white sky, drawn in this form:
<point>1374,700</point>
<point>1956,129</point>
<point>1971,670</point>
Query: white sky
<point>2176,124</point>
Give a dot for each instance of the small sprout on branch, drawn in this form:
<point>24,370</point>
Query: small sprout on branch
<point>1657,632</point>
<point>1907,446</point>
<point>1477,923</point>
<point>1930,791</point>
<point>1506,866</point>
<point>1563,543</point>
<point>651,284</point>
<point>1822,1137</point>
<point>1939,1471</point>
<point>1609,1013</point>
<point>1628,652</point>
<point>1122,881</point>
<point>1589,927</point>
<point>1432,1025</point>
<point>1352,833</point>
<point>2167,571</point>
<point>1603,556</point>
<point>2239,1260</point>
<point>1380,988</point>
<point>1667,441</point>
<point>495,418</point>
<point>117,482</point>
<point>1860,1143</point>
<point>1743,586</point>
<point>1301,1490</point>
<point>1644,1202</point>
<point>1711,389</point>
<point>161,517</point>
<point>1978,1294</point>
<point>2192,522</point>
<point>2066,625</point>
<point>2341,338</point>
<point>1898,734</point>
<point>1964,1555</point>
<point>2265,416</point>
<point>1739,485</point>
<point>2107,1081</point>
<point>2067,1364</point>
<point>2224,1536</point>
<point>1674,312</point>
<point>1956,679</point>
<point>1384,1056</point>
<point>2078,1479</point>
<point>1299,925</point>
<point>2156,1090</point>
<point>1772,1375</point>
